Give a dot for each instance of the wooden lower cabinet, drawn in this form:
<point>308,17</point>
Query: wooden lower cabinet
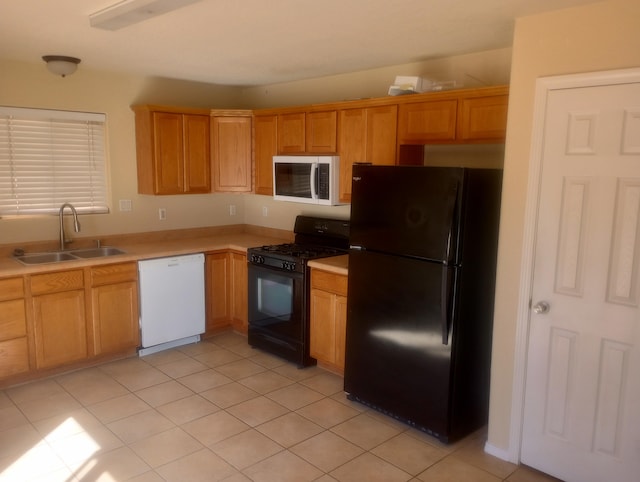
<point>328,319</point>
<point>114,308</point>
<point>239,289</point>
<point>226,285</point>
<point>14,346</point>
<point>59,318</point>
<point>217,291</point>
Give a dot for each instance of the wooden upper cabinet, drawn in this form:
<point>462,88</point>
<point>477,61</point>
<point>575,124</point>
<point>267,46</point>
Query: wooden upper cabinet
<point>483,118</point>
<point>425,122</point>
<point>291,133</point>
<point>231,152</point>
<point>265,146</point>
<point>197,157</point>
<point>307,132</point>
<point>465,116</point>
<point>173,151</point>
<point>365,135</point>
<point>321,132</point>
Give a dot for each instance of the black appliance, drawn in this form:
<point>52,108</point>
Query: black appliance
<point>278,286</point>
<point>421,293</point>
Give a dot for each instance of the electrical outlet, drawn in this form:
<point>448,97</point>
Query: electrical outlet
<point>162,214</point>
<point>125,204</point>
<point>265,211</point>
<point>232,209</point>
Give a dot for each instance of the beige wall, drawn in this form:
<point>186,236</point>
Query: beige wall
<point>31,85</point>
<point>600,36</point>
<point>471,70</point>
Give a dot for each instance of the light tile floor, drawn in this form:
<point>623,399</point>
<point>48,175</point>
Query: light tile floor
<point>220,411</point>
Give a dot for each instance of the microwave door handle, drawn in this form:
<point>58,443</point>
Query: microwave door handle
<point>314,181</point>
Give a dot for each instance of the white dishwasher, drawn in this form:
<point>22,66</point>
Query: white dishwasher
<point>172,311</point>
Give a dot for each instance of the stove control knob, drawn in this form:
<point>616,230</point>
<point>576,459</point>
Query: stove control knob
<point>289,265</point>
<point>256,258</point>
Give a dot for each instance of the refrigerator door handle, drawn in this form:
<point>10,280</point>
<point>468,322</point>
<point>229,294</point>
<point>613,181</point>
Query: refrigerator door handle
<point>452,202</point>
<point>445,299</point>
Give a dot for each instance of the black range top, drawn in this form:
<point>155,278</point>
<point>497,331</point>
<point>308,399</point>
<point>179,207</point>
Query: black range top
<point>314,238</point>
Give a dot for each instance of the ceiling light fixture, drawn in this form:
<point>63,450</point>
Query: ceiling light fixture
<point>128,12</point>
<point>61,64</point>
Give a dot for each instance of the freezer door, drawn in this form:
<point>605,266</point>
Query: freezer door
<point>395,356</point>
<point>407,210</point>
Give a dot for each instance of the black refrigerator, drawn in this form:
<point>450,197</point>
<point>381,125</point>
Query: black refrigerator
<point>422,268</point>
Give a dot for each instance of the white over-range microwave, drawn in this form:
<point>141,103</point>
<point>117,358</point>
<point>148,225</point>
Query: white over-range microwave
<point>306,179</point>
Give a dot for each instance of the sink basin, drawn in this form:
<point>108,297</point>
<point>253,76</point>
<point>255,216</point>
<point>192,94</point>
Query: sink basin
<point>97,252</point>
<point>42,258</point>
<point>58,256</point>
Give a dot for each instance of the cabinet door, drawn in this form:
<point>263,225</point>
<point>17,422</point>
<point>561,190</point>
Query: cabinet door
<point>341,331</point>
<point>115,317</point>
<point>197,157</point>
<point>265,147</point>
<point>352,139</point>
<point>321,132</point>
<point>365,135</point>
<point>483,118</point>
<point>424,122</point>
<point>322,344</point>
<point>168,150</point>
<point>381,134</point>
<point>14,357</point>
<point>218,296</point>
<point>14,351</point>
<point>232,154</point>
<point>59,328</point>
<point>291,133</point>
<point>239,314</point>
<point>12,319</point>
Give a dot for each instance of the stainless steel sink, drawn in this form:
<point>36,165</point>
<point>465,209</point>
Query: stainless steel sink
<point>97,252</point>
<point>59,256</point>
<point>43,258</point>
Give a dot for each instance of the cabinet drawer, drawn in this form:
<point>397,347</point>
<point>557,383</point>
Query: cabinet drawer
<point>114,273</point>
<point>55,282</point>
<point>331,282</point>
<point>12,319</point>
<point>14,357</point>
<point>11,288</point>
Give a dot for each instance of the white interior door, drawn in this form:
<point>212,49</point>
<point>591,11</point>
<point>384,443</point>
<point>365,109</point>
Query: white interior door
<point>582,392</point>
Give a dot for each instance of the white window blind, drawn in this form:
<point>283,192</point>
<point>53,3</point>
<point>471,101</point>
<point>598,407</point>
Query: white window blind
<point>50,157</point>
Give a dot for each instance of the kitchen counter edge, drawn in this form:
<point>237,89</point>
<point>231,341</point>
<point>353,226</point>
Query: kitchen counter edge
<point>146,250</point>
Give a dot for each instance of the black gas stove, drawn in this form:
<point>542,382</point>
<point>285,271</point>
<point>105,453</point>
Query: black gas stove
<point>290,256</point>
<point>279,286</point>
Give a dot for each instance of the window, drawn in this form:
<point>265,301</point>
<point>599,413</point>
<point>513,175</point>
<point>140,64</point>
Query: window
<point>50,157</point>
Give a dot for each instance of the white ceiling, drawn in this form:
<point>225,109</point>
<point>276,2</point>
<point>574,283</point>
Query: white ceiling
<point>260,42</point>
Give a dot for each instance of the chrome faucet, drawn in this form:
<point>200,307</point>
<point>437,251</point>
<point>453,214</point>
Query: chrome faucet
<point>76,223</point>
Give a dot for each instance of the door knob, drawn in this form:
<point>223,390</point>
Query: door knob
<point>541,307</point>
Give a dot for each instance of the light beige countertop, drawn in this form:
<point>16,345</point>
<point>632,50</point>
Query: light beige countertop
<point>147,249</point>
<point>333,264</point>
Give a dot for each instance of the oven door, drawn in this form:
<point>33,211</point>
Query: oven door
<point>277,307</point>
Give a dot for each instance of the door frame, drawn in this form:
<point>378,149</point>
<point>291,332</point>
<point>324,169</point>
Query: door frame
<point>544,86</point>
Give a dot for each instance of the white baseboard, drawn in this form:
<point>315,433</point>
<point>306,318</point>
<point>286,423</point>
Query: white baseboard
<point>498,452</point>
